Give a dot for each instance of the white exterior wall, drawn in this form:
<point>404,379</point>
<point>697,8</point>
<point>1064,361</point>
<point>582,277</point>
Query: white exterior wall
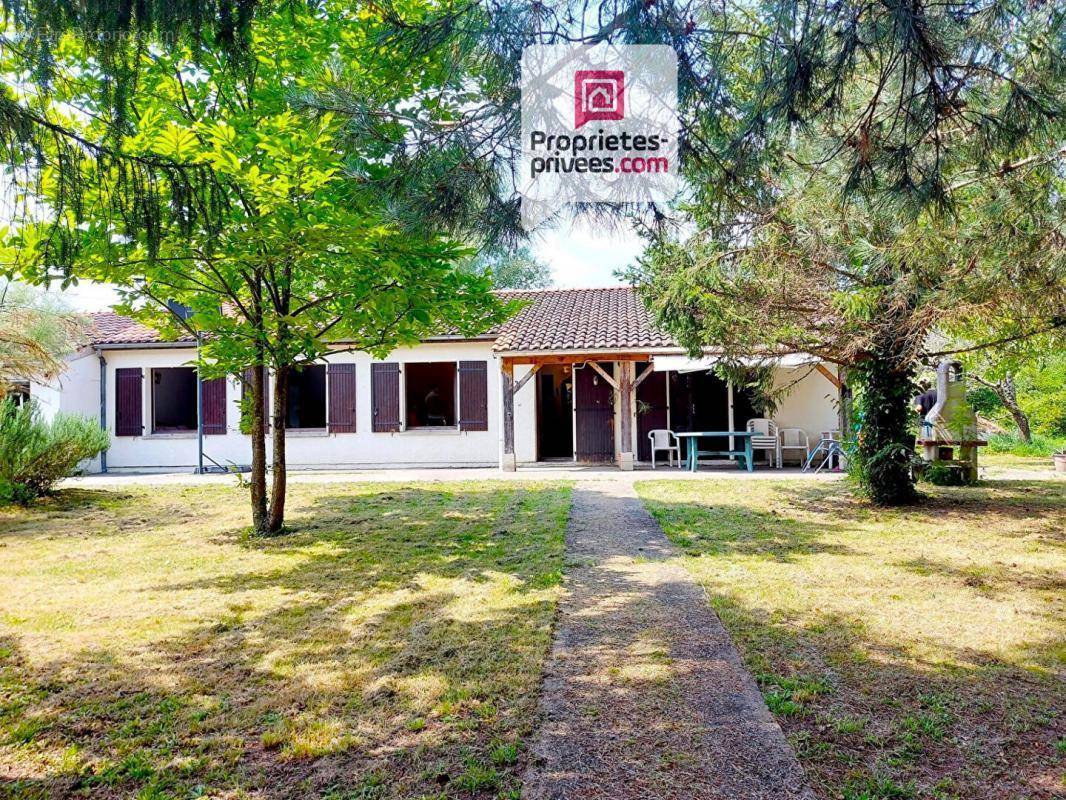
<point>525,417</point>
<point>76,391</point>
<point>812,404</point>
<point>310,449</point>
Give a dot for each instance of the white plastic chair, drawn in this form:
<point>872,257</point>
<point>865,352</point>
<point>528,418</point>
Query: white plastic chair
<point>765,438</point>
<point>661,439</point>
<point>795,439</point>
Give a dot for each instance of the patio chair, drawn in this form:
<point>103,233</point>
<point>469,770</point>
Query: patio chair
<point>765,438</point>
<point>662,439</point>
<point>829,447</point>
<point>795,439</point>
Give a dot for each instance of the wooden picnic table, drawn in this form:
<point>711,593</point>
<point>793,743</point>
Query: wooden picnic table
<point>693,453</point>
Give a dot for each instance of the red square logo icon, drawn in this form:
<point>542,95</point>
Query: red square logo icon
<point>599,94</point>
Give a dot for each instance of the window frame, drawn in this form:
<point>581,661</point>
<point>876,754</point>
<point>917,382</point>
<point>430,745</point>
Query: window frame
<point>324,428</point>
<point>456,410</point>
<point>155,429</point>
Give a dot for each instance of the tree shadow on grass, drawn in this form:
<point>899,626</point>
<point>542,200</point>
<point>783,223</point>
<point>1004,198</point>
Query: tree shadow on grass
<point>874,718</point>
<point>1006,500</point>
<point>401,659</point>
<point>736,529</point>
<point>870,720</point>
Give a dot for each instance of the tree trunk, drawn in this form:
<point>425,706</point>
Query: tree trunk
<point>885,447</point>
<point>1009,397</point>
<point>258,432</point>
<point>281,407</point>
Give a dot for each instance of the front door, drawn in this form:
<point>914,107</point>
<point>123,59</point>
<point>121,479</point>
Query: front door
<point>594,406</point>
<point>652,411</point>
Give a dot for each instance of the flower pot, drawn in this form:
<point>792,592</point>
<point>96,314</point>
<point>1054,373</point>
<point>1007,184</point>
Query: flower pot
<point>1060,462</point>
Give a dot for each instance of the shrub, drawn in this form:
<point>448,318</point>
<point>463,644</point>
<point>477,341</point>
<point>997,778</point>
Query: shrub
<point>946,475</point>
<point>35,453</point>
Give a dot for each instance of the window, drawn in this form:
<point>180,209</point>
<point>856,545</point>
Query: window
<point>173,399</point>
<point>307,397</point>
<point>19,392</point>
<point>429,392</point>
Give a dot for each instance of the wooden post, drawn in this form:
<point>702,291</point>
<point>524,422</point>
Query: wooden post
<point>625,391</point>
<point>507,459</point>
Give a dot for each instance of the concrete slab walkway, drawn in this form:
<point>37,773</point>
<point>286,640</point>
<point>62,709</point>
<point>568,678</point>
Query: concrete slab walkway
<point>645,695</point>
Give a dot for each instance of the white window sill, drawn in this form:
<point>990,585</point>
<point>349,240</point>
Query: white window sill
<point>174,435</point>
<point>306,433</point>
<point>450,430</point>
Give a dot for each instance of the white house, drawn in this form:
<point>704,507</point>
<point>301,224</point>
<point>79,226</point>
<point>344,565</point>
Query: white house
<point>577,375</point>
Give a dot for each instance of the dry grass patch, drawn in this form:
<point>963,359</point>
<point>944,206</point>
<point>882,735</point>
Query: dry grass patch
<point>907,653</point>
<point>391,646</point>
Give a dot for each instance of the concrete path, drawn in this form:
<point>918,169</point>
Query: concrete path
<point>645,695</point>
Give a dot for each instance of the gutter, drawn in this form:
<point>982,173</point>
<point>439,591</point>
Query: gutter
<point>143,345</point>
<point>103,404</point>
<point>577,352</point>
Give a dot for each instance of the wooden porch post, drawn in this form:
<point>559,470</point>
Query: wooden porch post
<point>626,390</point>
<point>507,458</point>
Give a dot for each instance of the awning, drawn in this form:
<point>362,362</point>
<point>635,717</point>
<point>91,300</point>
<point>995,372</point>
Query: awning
<point>686,364</point>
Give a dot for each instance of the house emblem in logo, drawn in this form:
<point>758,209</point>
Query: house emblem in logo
<point>598,94</point>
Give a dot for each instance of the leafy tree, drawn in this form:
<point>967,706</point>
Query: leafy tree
<point>36,331</point>
<point>287,244</point>
<point>838,157</point>
<point>513,269</point>
<point>1027,381</point>
<point>865,286</point>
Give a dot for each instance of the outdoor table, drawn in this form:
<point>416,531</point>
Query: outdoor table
<point>693,453</point>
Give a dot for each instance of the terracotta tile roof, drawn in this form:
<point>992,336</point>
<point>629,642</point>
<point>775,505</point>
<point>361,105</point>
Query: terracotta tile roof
<point>551,319</point>
<point>580,319</point>
<point>107,327</point>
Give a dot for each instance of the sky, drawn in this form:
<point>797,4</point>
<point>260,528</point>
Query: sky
<point>579,256</point>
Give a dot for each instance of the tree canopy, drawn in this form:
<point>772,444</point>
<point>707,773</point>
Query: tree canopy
<point>512,268</point>
<point>36,331</point>
<point>284,246</point>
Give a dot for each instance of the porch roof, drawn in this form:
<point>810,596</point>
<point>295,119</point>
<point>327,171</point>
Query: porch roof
<point>581,320</point>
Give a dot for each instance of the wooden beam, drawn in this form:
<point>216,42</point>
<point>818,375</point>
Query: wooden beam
<point>573,358</point>
<point>507,392</point>
<point>525,378</point>
<point>625,392</point>
<point>829,376</point>
<point>604,375</point>
<point>648,370</point>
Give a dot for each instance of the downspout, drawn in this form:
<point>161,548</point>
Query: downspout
<point>199,415</point>
<point>103,403</point>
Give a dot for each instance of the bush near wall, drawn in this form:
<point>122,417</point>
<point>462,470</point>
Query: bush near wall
<point>36,453</point>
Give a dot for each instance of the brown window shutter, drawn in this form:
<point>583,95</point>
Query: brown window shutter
<point>473,396</point>
<point>385,396</point>
<point>213,406</point>
<point>128,403</point>
<point>246,388</point>
<point>341,380</point>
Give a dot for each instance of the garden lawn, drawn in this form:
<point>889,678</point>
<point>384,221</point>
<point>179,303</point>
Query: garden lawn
<point>997,461</point>
<point>907,653</point>
<point>391,646</point>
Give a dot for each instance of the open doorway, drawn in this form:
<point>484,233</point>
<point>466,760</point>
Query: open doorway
<point>555,412</point>
<point>699,401</point>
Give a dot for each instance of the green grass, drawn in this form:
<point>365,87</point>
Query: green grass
<point>391,646</point>
<point>913,652</point>
<point>1041,446</point>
